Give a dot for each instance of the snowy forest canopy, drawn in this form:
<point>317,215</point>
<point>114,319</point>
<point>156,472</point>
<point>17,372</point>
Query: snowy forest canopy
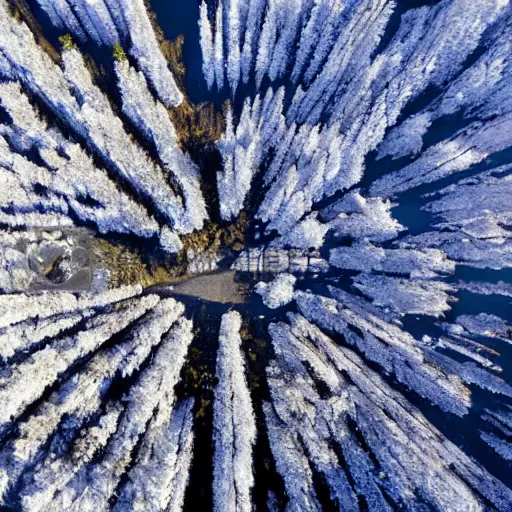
<point>351,166</point>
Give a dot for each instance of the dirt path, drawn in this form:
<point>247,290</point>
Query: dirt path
<point>220,287</point>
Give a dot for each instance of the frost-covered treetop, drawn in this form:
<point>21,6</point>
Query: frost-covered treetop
<point>278,292</point>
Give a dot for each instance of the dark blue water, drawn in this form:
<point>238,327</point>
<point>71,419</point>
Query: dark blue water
<point>176,18</point>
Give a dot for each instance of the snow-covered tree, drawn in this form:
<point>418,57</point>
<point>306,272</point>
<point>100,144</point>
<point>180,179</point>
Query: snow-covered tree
<point>93,483</point>
<point>108,22</point>
<point>370,159</point>
<point>82,395</point>
<point>501,421</point>
<point>234,425</point>
<point>159,478</point>
<point>68,174</point>
<point>107,135</point>
<point>279,292</point>
<point>206,35</point>
<point>385,344</point>
<point>152,119</point>
<point>358,417</point>
<point>218,45</point>
<point>51,362</point>
<point>243,148</point>
<point>364,256</point>
<point>405,296</point>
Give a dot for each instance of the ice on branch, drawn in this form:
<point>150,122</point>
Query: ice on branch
<point>170,241</point>
<point>317,37</point>
<point>307,234</point>
<point>20,205</point>
<point>234,424</point>
<point>233,12</point>
<point>52,471</point>
<point>25,61</point>
<point>461,341</point>
<point>500,446</point>
<point>407,138</point>
<point>340,62</point>
<point>431,45</point>
<point>62,16</point>
<point>473,214</point>
<point>218,46</point>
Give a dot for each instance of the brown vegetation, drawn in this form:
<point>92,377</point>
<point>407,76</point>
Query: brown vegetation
<point>213,237</point>
<point>255,349</point>
<point>195,124</point>
<point>126,266</point>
